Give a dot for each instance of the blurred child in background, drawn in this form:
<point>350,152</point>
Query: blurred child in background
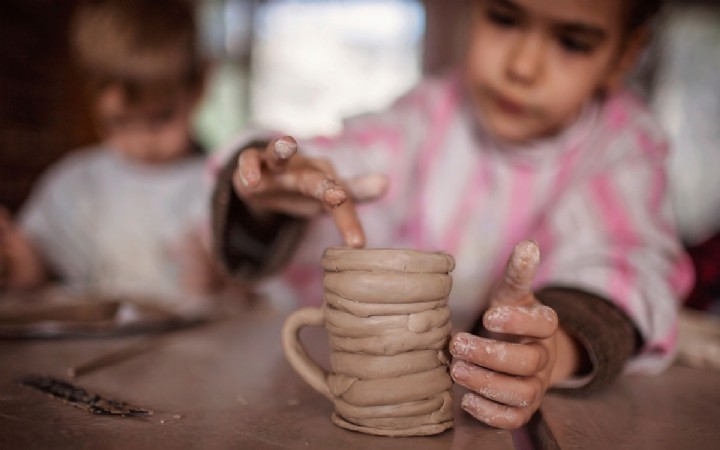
<point>534,139</point>
<point>126,216</point>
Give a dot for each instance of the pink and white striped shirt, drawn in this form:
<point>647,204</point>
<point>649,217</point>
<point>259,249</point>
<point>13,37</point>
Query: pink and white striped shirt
<point>593,197</point>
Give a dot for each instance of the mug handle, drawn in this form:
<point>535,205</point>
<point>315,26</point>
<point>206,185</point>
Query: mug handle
<point>309,370</point>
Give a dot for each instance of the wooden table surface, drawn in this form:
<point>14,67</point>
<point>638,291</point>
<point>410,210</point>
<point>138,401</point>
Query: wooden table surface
<point>220,385</point>
<point>227,385</point>
<point>678,409</point>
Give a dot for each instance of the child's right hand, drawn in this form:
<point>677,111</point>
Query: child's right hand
<point>279,179</point>
<point>20,265</point>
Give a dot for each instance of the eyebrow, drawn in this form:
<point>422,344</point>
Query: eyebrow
<point>507,4</point>
<point>589,31</point>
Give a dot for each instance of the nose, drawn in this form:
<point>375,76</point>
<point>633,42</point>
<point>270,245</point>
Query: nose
<point>525,60</point>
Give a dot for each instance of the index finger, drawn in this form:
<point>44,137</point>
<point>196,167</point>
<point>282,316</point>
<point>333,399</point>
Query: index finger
<point>519,274</point>
<point>347,221</point>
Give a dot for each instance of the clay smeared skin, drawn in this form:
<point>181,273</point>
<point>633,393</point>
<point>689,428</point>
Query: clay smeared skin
<point>386,260</point>
<point>363,309</point>
<point>388,287</point>
<point>371,367</point>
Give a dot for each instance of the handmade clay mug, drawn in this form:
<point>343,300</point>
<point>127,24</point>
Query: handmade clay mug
<point>386,314</point>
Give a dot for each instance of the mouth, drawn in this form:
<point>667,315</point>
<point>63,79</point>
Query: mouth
<point>509,106</point>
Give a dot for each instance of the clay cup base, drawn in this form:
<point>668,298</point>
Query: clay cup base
<point>422,430</point>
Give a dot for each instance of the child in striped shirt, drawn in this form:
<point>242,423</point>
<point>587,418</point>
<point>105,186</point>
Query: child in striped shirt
<point>534,141</point>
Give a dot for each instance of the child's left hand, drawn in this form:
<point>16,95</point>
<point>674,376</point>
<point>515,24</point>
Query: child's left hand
<point>509,372</point>
<point>21,267</point>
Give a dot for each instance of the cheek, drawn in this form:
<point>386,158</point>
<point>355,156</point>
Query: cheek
<point>484,56</point>
<point>175,136</point>
<point>572,84</point>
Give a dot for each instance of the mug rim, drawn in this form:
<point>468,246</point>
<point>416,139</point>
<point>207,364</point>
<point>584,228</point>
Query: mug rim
<point>338,259</point>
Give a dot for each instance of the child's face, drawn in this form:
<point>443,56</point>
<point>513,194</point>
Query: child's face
<point>532,64</point>
<point>149,133</point>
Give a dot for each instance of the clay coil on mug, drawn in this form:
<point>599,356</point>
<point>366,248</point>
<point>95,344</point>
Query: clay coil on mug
<point>370,367</point>
<point>388,324</point>
<point>392,344</point>
<point>422,430</point>
<point>409,409</point>
<point>343,324</point>
<point>389,287</point>
<point>394,423</point>
<point>442,414</point>
<point>362,309</point>
<point>386,391</point>
<point>386,260</point>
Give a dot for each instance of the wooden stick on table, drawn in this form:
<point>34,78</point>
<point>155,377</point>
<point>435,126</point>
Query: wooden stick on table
<point>112,358</point>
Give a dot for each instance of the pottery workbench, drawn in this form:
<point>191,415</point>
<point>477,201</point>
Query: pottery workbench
<point>227,384</point>
<point>223,385</point>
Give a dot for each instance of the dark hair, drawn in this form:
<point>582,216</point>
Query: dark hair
<point>147,48</point>
<point>640,13</point>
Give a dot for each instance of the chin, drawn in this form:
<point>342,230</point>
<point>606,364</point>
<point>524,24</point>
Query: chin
<point>503,128</point>
<point>159,158</point>
<point>511,133</point>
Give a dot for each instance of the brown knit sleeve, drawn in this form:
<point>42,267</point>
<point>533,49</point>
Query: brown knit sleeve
<point>608,336</point>
<point>249,246</point>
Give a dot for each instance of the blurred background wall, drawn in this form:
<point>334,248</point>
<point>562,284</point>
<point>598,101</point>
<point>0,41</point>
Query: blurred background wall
<point>303,65</point>
<point>41,115</point>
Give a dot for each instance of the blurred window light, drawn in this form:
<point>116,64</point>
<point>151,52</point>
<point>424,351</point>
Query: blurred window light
<point>226,30</point>
<point>688,104</point>
<point>315,62</point>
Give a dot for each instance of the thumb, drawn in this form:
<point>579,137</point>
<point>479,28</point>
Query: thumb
<point>516,283</point>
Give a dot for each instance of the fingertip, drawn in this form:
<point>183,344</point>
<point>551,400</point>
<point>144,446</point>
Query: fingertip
<point>285,147</point>
<point>495,318</point>
<point>248,178</point>
<point>470,402</point>
<point>334,196</point>
<point>460,344</point>
<point>519,273</point>
<point>330,193</point>
<point>248,169</point>
<point>459,371</point>
<point>355,240</point>
<point>526,253</point>
<point>346,219</point>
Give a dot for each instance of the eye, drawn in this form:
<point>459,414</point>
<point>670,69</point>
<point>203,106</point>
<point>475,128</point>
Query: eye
<point>573,44</point>
<point>502,18</point>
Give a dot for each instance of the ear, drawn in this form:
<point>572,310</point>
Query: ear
<point>626,59</point>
